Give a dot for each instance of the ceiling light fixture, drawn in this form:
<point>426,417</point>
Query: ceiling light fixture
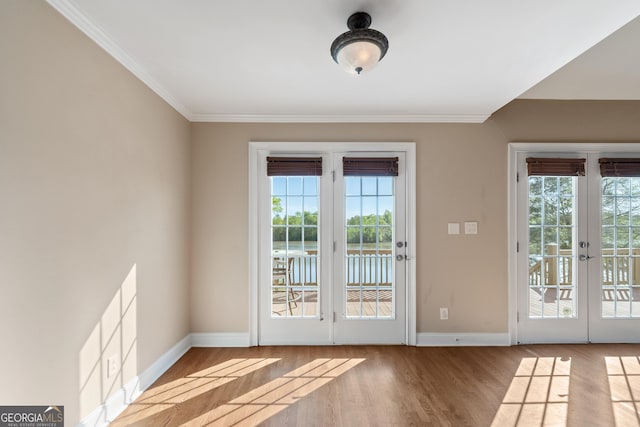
<point>360,48</point>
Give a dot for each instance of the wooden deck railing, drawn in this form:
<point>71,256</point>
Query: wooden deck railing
<point>367,267</point>
<point>556,268</point>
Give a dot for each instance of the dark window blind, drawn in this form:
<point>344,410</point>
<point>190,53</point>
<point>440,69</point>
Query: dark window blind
<point>294,166</point>
<point>539,166</point>
<point>370,166</point>
<point>619,167</point>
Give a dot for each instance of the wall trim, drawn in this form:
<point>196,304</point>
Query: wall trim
<point>118,402</point>
<point>80,20</point>
<point>343,118</point>
<point>445,339</point>
<point>74,14</point>
<point>164,362</point>
<point>220,339</point>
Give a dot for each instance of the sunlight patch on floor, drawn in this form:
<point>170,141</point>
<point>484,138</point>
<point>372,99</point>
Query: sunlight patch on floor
<point>167,396</point>
<point>267,400</point>
<point>624,385</point>
<point>538,394</point>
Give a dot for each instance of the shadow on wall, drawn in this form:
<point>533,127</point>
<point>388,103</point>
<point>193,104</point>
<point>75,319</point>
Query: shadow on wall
<point>108,358</point>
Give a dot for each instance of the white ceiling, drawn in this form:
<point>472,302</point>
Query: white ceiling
<point>448,61</point>
<point>609,70</point>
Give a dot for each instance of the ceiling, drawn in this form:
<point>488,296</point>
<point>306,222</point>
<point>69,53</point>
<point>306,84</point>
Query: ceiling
<point>448,61</point>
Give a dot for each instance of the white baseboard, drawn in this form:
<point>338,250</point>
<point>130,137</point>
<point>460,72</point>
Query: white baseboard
<point>97,418</point>
<point>220,339</point>
<point>164,362</point>
<point>114,405</point>
<point>435,339</point>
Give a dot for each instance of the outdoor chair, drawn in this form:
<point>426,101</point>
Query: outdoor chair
<point>281,276</point>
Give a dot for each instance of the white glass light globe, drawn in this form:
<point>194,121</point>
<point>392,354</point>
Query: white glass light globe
<point>359,57</point>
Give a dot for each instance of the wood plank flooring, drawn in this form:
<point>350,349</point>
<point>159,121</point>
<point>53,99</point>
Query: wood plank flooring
<point>532,385</point>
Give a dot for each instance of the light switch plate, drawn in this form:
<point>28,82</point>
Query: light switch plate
<point>453,228</point>
<point>471,227</point>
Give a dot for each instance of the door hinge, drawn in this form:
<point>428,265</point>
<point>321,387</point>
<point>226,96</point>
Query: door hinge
<point>334,246</point>
<point>517,176</point>
<point>333,175</point>
<point>518,316</point>
<point>334,317</point>
<point>517,246</point>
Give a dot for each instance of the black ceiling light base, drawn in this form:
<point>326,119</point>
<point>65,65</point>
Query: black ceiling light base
<point>359,20</point>
<point>359,31</point>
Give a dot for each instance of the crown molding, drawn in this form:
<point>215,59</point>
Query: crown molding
<point>74,15</point>
<point>78,18</point>
<point>342,118</point>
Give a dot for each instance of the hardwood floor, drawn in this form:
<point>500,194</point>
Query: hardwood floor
<point>533,385</point>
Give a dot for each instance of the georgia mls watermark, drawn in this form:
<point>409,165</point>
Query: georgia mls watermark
<point>31,416</point>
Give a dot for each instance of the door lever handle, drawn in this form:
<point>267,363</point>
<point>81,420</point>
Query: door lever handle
<point>584,257</point>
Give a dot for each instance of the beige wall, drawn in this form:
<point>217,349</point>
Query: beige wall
<point>461,175</point>
<point>570,121</point>
<point>94,209</point>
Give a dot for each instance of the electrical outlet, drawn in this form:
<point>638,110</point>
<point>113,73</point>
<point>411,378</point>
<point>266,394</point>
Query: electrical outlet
<point>444,313</point>
<point>112,366</point>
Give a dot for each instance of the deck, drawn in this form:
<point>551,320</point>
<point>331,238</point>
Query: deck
<point>551,279</point>
<point>365,307</point>
<point>369,284</point>
<point>553,302</point>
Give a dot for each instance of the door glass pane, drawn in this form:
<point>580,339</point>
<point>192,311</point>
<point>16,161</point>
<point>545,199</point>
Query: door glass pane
<point>294,246</point>
<point>552,284</point>
<point>620,278</point>
<point>369,287</point>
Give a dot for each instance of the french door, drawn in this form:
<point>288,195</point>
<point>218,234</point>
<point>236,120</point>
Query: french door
<point>370,259</point>
<point>578,257</point>
<point>332,248</point>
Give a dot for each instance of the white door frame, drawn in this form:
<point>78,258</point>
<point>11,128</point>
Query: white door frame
<point>514,149</point>
<point>257,148</point>
<point>377,330</point>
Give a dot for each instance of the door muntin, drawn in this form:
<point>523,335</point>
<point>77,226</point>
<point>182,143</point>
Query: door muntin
<point>295,256</point>
<point>599,262</point>
<point>369,284</point>
<point>552,255</point>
